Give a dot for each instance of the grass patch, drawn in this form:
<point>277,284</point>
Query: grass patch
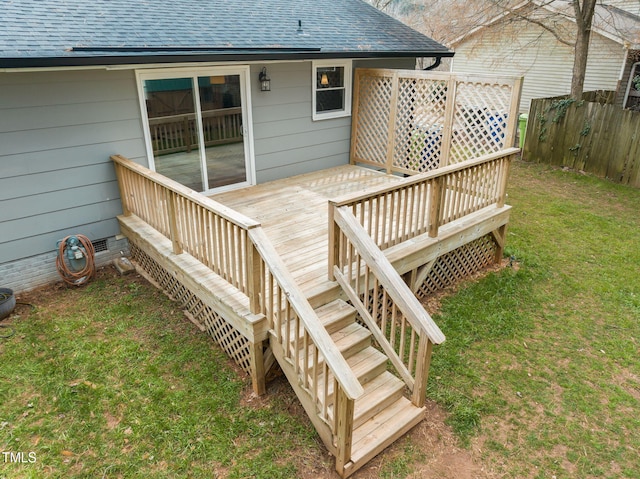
<point>540,370</point>
<point>541,361</point>
<point>112,381</point>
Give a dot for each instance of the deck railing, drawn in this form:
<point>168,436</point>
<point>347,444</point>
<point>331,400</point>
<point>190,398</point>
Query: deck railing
<point>422,203</point>
<point>236,248</point>
<point>397,320</point>
<point>361,226</point>
<point>175,133</point>
<point>212,233</point>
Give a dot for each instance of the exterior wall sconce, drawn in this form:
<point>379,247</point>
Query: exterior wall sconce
<point>265,81</point>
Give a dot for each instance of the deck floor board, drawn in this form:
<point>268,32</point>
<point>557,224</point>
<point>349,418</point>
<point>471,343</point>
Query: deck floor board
<point>294,214</point>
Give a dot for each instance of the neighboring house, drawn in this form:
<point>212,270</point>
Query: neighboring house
<point>511,46</point>
<point>80,81</point>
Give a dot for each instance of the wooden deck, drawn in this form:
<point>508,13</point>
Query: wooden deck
<point>314,271</point>
<point>294,214</point>
<point>320,272</point>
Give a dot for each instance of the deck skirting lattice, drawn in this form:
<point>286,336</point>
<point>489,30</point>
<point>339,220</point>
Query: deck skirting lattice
<point>458,264</point>
<point>225,335</point>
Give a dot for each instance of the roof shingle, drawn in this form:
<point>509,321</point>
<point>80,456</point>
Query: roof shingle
<point>71,32</point>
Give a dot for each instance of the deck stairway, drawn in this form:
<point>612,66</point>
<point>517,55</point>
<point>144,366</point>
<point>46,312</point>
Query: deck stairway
<point>336,355</point>
<point>381,414</point>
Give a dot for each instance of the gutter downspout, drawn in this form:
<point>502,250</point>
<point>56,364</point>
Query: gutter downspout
<point>435,65</point>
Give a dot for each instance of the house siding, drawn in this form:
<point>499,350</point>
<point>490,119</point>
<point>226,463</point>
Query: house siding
<point>631,6</point>
<point>59,128</point>
<point>286,139</point>
<point>545,63</point>
<point>57,131</point>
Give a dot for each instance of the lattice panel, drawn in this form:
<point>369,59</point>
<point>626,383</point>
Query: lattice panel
<point>373,118</point>
<point>230,340</point>
<point>458,264</point>
<point>480,120</point>
<point>419,123</point>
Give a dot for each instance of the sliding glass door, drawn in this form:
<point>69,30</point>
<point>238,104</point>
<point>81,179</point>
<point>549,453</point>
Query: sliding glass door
<point>199,131</point>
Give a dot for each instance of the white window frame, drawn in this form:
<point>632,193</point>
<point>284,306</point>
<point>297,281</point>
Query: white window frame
<point>194,72</point>
<point>348,69</point>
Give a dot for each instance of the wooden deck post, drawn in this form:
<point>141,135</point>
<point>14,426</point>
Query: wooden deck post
<point>504,177</point>
<point>499,235</point>
<point>258,380</point>
<point>512,126</point>
<point>423,362</point>
<point>391,127</point>
<point>254,282</point>
<point>334,241</point>
<point>171,198</point>
<point>435,206</point>
<point>447,130</point>
<point>344,429</point>
<point>124,199</point>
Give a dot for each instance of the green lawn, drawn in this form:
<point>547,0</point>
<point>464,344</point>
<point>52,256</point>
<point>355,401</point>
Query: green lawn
<point>112,381</point>
<point>540,371</point>
<point>541,368</point>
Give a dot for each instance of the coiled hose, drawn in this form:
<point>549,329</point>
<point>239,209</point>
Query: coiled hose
<point>77,278</point>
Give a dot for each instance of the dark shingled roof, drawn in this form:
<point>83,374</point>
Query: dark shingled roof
<point>101,32</point>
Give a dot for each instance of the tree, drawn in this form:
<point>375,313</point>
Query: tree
<point>569,21</point>
<point>584,18</point>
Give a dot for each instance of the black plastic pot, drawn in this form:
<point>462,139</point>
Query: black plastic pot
<point>7,302</point>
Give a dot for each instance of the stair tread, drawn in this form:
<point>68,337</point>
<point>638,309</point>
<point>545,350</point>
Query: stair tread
<point>383,429</point>
<point>361,363</point>
<point>349,341</point>
<point>376,391</point>
<point>334,310</point>
<point>365,360</point>
<point>334,316</point>
<point>351,334</point>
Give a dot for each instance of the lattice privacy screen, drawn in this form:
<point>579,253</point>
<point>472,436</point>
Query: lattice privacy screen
<point>411,121</point>
<point>228,338</point>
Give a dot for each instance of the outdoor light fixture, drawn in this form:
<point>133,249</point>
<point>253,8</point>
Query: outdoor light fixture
<point>265,81</point>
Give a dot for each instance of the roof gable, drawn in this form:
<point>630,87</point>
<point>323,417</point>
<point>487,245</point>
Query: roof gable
<point>107,31</point>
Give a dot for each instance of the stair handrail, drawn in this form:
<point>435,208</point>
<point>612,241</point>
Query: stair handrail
<point>317,332</point>
<point>347,388</point>
<point>357,247</point>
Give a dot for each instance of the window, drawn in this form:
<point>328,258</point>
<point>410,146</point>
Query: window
<point>331,89</point>
<point>197,127</point>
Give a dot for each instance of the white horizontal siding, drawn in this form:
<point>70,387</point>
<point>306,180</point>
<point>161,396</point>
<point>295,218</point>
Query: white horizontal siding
<point>57,131</point>
<point>535,54</point>
<point>631,6</point>
<point>604,64</point>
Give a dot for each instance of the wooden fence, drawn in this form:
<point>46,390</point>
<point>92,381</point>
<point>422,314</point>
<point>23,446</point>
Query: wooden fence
<point>598,138</point>
<point>409,122</point>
